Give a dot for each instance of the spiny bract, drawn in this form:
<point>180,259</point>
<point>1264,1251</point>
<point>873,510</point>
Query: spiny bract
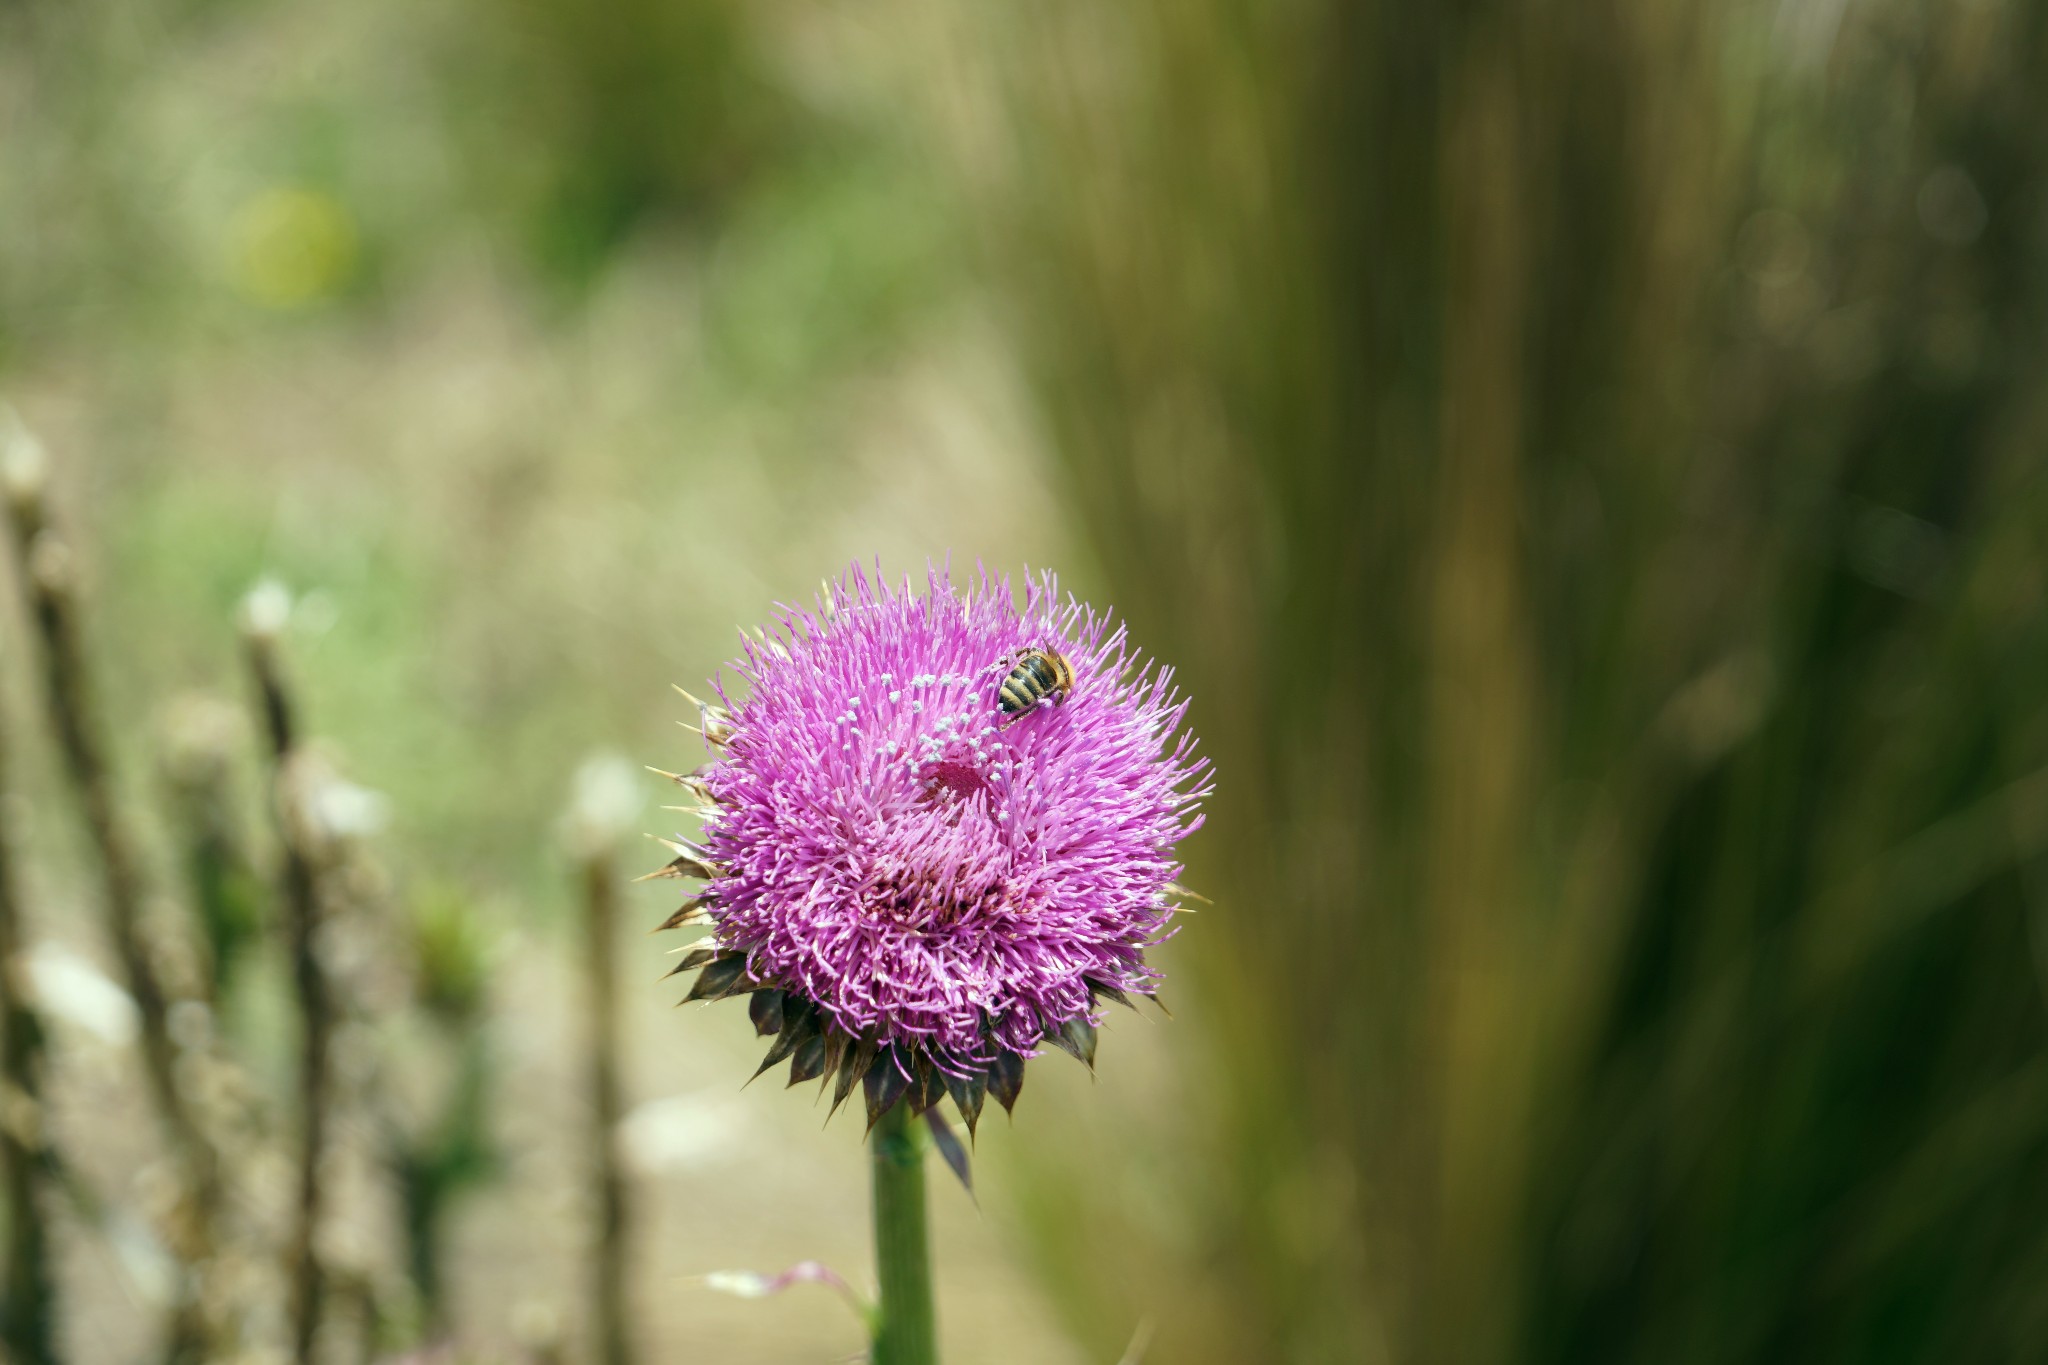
<point>917,890</point>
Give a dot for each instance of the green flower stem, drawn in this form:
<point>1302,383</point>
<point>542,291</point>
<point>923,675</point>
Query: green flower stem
<point>905,1329</point>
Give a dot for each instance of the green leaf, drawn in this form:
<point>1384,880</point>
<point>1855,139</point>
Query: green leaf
<point>884,1085</point>
<point>1006,1080</point>
<point>1102,990</point>
<point>857,1064</point>
<point>719,979</point>
<point>809,1062</point>
<point>765,1009</point>
<point>691,909</point>
<point>1076,1038</point>
<point>948,1143</point>
<point>799,1026</point>
<point>692,960</point>
<point>927,1085</point>
<point>967,1097</point>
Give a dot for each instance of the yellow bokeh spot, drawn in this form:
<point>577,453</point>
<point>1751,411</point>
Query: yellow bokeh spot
<point>292,247</point>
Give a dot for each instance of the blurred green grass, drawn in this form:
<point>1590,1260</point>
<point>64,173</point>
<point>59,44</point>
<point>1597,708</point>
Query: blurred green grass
<point>354,355</point>
<point>1587,461</point>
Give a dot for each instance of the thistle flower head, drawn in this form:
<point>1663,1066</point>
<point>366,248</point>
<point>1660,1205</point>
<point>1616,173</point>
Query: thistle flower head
<point>921,867</point>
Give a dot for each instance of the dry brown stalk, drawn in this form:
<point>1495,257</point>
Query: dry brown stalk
<point>28,1320</point>
<point>45,571</point>
<point>600,902</point>
<point>604,806</point>
<point>263,619</point>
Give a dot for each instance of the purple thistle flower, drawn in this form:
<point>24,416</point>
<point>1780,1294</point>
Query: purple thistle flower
<point>939,832</point>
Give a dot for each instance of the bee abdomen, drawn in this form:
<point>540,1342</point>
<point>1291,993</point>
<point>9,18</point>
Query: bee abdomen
<point>1036,677</point>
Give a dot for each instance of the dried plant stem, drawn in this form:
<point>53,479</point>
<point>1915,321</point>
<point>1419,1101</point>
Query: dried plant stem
<point>198,757</point>
<point>28,1317</point>
<point>315,999</point>
<point>600,903</point>
<point>44,563</point>
<point>905,1327</point>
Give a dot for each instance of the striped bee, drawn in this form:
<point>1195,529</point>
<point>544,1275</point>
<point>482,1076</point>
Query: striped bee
<point>1040,673</point>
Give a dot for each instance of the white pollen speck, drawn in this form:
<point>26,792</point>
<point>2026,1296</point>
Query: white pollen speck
<point>894,695</point>
<point>888,677</point>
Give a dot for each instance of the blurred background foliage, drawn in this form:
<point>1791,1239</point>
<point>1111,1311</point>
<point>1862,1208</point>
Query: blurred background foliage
<point>1586,461</point>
